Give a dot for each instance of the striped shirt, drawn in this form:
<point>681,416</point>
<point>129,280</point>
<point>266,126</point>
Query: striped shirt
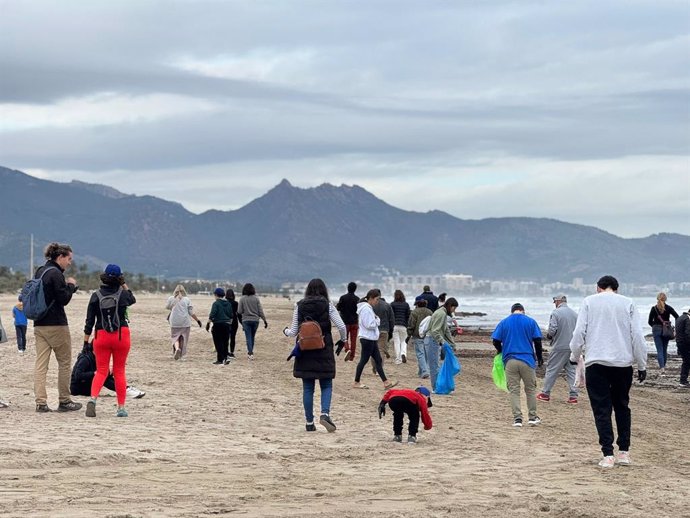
<point>332,314</point>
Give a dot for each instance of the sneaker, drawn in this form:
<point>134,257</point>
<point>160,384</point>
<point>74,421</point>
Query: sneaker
<point>572,400</point>
<point>135,393</point>
<point>397,438</point>
<point>91,409</point>
<point>326,422</point>
<point>543,397</point>
<point>607,462</point>
<point>518,422</point>
<point>412,439</point>
<point>231,356</point>
<point>251,357</point>
<point>218,363</point>
<point>387,354</point>
<point>404,358</point>
<point>623,458</point>
<point>311,427</point>
<point>3,404</point>
<point>534,421</point>
<point>398,362</point>
<point>42,409</point>
<point>70,406</point>
<point>684,385</point>
<point>121,412</point>
<point>426,376</point>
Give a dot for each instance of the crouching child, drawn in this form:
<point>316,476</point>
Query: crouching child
<point>411,402</point>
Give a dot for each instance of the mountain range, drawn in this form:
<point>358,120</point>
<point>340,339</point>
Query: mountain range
<point>292,234</point>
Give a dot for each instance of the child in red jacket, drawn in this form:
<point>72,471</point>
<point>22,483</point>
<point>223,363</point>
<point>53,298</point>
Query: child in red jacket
<point>410,402</point>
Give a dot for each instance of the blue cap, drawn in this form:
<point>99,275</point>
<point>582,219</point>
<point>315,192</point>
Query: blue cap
<point>423,391</point>
<point>220,292</point>
<point>113,270</point>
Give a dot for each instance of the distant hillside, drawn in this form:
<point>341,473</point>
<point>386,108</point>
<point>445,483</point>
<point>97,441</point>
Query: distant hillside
<point>334,232</point>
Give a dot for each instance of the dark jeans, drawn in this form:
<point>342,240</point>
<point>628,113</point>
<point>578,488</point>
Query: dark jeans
<point>401,406</point>
<point>250,328</point>
<point>369,350</point>
<point>661,345</point>
<point>221,336</point>
<point>609,389</point>
<point>684,351</point>
<point>21,337</point>
<point>233,334</point>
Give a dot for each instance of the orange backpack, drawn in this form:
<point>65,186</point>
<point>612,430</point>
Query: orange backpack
<point>309,336</point>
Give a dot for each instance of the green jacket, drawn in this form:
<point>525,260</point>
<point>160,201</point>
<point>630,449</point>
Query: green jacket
<point>416,317</point>
<point>438,327</point>
<point>221,311</point>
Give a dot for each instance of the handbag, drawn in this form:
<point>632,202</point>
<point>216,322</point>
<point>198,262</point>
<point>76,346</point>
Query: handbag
<point>667,330</point>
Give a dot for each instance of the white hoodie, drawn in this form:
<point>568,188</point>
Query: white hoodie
<point>609,332</point>
<point>368,322</point>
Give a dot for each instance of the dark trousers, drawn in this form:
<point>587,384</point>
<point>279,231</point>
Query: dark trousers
<point>401,406</point>
<point>221,336</point>
<point>369,350</point>
<point>684,351</point>
<point>233,334</point>
<point>21,337</point>
<point>609,389</point>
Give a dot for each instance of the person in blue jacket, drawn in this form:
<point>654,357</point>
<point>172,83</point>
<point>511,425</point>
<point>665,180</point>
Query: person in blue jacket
<point>518,338</point>
<point>20,324</point>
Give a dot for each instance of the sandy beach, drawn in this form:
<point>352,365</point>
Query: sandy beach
<point>229,440</point>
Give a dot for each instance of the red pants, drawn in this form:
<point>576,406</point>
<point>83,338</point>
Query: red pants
<point>352,331</point>
<point>117,345</point>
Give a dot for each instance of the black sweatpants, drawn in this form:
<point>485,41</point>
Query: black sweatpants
<point>221,336</point>
<point>684,351</point>
<point>233,334</point>
<point>609,389</point>
<point>401,406</point>
<point>370,349</point>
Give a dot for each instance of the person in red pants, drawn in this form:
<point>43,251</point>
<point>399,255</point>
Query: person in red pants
<point>107,309</point>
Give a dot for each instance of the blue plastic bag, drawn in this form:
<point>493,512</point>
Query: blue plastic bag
<point>445,381</point>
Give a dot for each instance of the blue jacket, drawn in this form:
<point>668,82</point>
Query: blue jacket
<point>19,317</point>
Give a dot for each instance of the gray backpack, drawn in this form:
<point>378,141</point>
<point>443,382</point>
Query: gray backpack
<point>34,298</point>
<point>108,304</point>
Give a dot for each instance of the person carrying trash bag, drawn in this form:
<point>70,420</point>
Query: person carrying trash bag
<point>414,403</point>
<point>440,334</point>
<point>445,381</point>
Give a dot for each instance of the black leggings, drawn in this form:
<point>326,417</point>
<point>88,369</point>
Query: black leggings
<point>401,406</point>
<point>369,350</point>
<point>233,333</point>
<point>221,335</point>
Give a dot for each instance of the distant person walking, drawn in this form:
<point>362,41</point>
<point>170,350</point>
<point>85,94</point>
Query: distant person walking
<point>609,333</point>
<point>317,364</point>
<point>250,310</point>
<point>419,313</point>
<point>107,310</point>
<point>437,335</point>
<point>368,336</point>
<point>660,317</point>
<point>683,345</point>
<point>518,338</point>
<point>383,311</point>
<point>347,307</point>
<point>431,299</point>
<point>180,319</point>
<point>221,316</point>
<point>401,315</point>
<point>236,321</point>
<point>561,326</point>
<point>52,330</point>
<point>20,325</point>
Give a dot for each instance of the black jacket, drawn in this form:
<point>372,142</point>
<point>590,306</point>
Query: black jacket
<point>431,300</point>
<point>83,372</point>
<point>655,315</point>
<point>93,312</point>
<point>320,363</point>
<point>347,307</point>
<point>57,293</point>
<point>683,331</point>
<point>401,313</point>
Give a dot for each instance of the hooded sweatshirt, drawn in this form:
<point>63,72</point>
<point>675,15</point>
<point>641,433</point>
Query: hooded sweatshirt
<point>368,322</point>
<point>221,312</point>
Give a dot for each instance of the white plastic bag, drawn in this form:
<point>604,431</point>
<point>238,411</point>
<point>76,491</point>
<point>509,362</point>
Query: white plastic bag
<point>580,373</point>
<point>424,326</point>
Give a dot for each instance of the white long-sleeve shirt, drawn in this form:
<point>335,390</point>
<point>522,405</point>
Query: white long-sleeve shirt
<point>332,314</point>
<point>609,332</point>
<point>368,322</point>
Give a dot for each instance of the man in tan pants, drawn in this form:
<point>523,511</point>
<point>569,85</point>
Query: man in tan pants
<point>52,331</point>
<point>513,338</point>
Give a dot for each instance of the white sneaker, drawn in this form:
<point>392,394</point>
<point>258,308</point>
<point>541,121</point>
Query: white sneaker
<point>3,404</point>
<point>135,393</point>
<point>607,462</point>
<point>623,458</point>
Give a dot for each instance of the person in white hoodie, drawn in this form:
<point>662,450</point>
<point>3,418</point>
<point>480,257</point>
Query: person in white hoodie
<point>368,338</point>
<point>609,334</point>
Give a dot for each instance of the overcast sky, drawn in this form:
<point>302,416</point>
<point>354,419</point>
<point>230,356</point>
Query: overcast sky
<point>578,111</point>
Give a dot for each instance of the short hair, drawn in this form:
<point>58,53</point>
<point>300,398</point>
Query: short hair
<point>608,281</point>
<point>112,280</point>
<point>316,288</point>
<point>442,297</point>
<point>55,250</point>
<point>517,307</point>
<point>420,303</point>
<point>399,296</point>
<point>248,289</point>
<point>352,287</point>
<point>372,294</point>
<point>426,288</point>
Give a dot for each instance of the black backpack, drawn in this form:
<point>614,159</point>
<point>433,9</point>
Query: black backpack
<point>110,318</point>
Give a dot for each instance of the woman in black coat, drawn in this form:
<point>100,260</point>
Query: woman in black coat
<point>311,365</point>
